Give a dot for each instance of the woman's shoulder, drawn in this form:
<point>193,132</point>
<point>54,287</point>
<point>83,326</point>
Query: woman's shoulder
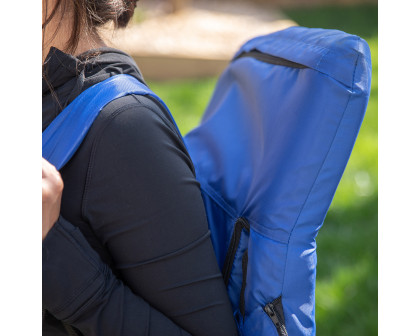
<point>135,129</point>
<point>126,131</point>
<point>135,116</point>
<point>132,139</point>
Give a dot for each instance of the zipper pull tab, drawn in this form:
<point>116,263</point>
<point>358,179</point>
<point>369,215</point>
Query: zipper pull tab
<point>269,309</point>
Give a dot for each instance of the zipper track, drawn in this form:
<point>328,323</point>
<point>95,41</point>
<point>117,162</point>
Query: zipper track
<point>244,274</point>
<point>241,224</point>
<point>267,58</point>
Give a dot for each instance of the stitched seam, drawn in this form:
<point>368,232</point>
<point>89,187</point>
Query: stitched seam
<point>187,248</point>
<point>318,174</point>
<point>217,303</point>
<point>183,284</point>
<point>218,199</point>
<point>86,305</point>
<point>301,42</point>
<point>312,45</point>
<point>95,145</point>
<point>166,122</point>
<point>262,236</point>
<point>171,125</point>
<point>148,320</point>
<point>69,237</point>
<point>321,59</point>
<point>324,50</point>
<point>86,285</point>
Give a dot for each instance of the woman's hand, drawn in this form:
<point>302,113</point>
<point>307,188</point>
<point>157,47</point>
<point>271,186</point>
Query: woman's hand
<point>52,187</point>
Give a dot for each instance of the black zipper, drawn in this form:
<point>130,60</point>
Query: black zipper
<point>241,224</point>
<point>267,58</point>
<point>244,273</point>
<point>274,310</point>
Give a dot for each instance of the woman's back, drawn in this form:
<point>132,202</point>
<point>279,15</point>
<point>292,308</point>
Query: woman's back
<point>131,190</point>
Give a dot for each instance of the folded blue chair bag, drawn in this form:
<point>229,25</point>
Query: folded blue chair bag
<point>269,154</point>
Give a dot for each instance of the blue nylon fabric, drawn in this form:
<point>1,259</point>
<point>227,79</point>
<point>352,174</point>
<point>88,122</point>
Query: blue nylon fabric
<point>63,136</point>
<point>271,148</point>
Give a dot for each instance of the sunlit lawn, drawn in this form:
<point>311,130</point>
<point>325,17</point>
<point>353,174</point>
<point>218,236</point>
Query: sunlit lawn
<point>346,294</point>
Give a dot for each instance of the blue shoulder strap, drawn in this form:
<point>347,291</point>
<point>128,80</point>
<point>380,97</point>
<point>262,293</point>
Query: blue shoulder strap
<point>64,135</point>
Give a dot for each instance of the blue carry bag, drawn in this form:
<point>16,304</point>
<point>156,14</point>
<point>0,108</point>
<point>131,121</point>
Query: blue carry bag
<point>269,154</point>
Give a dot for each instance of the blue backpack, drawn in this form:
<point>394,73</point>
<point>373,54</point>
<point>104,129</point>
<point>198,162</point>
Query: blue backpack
<point>269,154</point>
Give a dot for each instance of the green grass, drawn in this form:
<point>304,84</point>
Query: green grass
<point>186,99</point>
<point>346,293</point>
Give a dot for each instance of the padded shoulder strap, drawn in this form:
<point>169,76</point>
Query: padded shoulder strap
<point>64,135</point>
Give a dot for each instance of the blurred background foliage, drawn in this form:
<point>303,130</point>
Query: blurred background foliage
<point>346,292</point>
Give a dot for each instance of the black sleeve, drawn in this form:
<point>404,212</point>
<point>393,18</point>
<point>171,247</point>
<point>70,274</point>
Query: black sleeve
<point>80,290</point>
<point>154,224</point>
<point>144,205</point>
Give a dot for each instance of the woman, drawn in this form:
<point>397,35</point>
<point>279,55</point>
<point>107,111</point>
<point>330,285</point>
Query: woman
<point>129,251</point>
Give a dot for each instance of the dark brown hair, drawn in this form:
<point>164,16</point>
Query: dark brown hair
<point>88,15</point>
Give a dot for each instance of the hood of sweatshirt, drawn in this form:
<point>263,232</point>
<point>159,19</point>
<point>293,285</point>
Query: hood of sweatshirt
<point>65,76</point>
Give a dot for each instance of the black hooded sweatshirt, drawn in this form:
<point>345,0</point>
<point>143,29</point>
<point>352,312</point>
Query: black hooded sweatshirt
<point>131,252</point>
